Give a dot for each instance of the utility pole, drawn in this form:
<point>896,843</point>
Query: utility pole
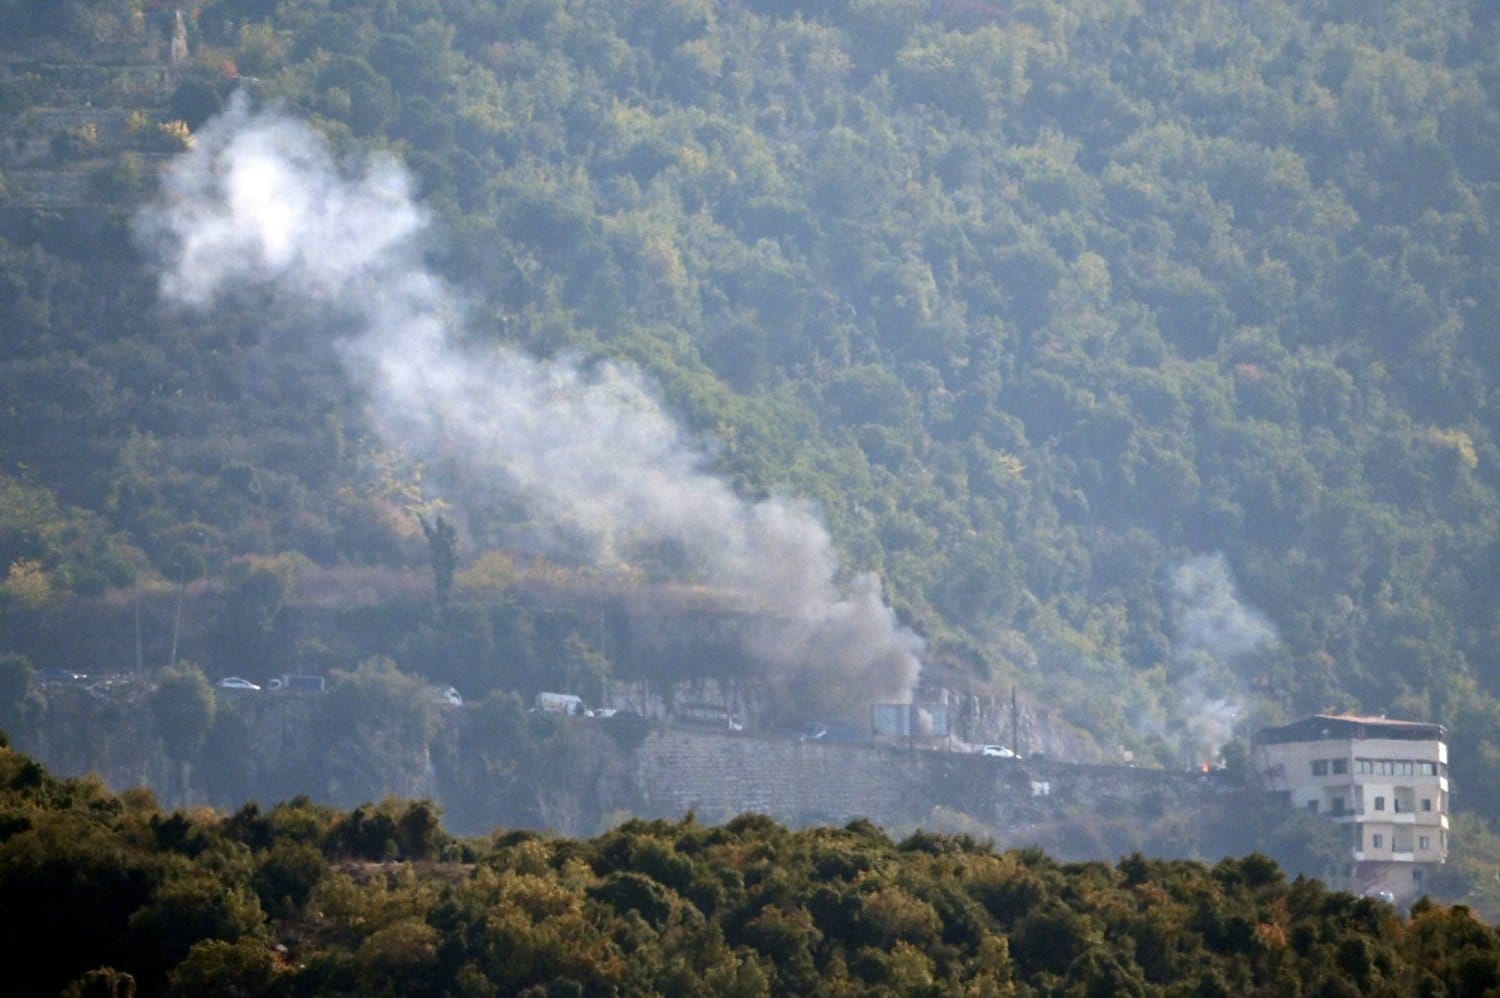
<point>177,616</point>
<point>140,665</point>
<point>1015,723</point>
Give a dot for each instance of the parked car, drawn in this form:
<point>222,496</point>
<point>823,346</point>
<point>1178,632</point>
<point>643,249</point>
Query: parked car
<point>998,752</point>
<point>236,683</point>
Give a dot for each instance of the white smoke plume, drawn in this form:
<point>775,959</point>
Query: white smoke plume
<point>1211,630</point>
<point>261,203</point>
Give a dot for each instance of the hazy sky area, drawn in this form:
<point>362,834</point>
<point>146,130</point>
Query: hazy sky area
<point>262,203</point>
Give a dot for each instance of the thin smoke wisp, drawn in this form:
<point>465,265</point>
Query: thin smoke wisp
<point>1211,631</point>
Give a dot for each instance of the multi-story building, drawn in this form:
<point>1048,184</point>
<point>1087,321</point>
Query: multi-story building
<point>1385,781</point>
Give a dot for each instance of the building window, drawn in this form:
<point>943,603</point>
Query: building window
<point>1320,767</point>
<point>1312,806</point>
<point>1340,767</point>
<point>1427,803</point>
<point>1416,875</point>
<point>1396,805</point>
<point>1380,803</point>
<point>1377,840</point>
<point>1424,842</point>
<point>1427,768</point>
<point>1338,806</point>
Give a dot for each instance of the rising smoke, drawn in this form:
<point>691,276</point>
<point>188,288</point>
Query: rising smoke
<point>261,204</point>
<point>1212,631</point>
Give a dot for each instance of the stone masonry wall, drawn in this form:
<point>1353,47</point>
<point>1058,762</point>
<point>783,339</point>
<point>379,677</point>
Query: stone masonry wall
<point>270,747</point>
<point>720,775</point>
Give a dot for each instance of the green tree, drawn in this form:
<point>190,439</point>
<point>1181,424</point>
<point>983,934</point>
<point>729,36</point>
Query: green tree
<point>244,967</point>
<point>102,982</point>
<point>374,727</point>
<point>287,873</point>
<point>185,911</point>
<point>182,710</point>
<point>22,703</point>
<point>196,100</point>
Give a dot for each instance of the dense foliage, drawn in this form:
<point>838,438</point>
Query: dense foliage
<point>304,900</point>
<point>1037,300</point>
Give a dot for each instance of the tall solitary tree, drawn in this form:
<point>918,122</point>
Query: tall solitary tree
<point>442,540</point>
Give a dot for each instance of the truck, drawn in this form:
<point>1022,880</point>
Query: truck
<point>706,715</point>
<point>561,703</point>
<point>297,684</point>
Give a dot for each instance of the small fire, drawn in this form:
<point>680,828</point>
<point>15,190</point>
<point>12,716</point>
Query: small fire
<point>1204,768</point>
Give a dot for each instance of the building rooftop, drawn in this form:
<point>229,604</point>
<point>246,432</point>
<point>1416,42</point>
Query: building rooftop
<point>1342,726</point>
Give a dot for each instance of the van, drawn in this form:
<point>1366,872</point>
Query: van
<point>707,715</point>
<point>560,703</point>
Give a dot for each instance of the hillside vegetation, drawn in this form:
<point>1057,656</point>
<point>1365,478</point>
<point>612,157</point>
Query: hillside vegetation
<point>303,900</point>
<point>1144,352</point>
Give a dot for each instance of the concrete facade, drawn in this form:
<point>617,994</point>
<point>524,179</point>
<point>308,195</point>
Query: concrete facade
<point>1384,781</point>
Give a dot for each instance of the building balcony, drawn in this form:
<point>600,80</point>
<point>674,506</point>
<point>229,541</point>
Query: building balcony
<point>1430,819</point>
<point>1382,856</point>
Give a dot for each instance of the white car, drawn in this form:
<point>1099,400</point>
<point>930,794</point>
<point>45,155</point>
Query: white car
<point>236,683</point>
<point>998,752</point>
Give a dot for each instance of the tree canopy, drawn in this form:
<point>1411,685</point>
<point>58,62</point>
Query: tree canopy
<point>302,899</point>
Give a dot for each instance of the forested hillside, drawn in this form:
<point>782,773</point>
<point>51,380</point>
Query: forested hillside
<point>1144,353</point>
<point>300,899</point>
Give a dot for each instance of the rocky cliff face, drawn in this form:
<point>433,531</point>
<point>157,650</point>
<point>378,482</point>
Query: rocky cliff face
<point>577,776</point>
<point>103,728</point>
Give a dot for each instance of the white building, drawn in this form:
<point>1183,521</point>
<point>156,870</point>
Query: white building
<point>1385,781</point>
